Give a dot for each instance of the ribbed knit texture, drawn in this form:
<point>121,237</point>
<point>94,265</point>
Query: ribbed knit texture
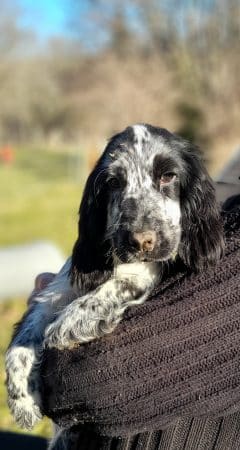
<point>185,434</point>
<point>176,356</point>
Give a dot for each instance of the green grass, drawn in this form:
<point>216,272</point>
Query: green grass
<point>38,200</point>
<point>35,206</point>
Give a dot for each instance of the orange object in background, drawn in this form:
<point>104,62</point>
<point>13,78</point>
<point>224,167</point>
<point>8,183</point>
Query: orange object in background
<point>7,155</point>
<point>93,155</point>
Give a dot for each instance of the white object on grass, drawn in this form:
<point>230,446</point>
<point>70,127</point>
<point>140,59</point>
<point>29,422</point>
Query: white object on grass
<point>20,264</point>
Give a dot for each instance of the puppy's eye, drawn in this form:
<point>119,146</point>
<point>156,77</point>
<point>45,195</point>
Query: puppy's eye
<point>114,183</point>
<point>167,177</point>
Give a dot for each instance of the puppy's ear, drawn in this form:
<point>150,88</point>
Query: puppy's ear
<point>202,240</point>
<point>90,265</point>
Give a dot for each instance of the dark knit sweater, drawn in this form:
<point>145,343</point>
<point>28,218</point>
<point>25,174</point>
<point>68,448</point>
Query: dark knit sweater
<point>174,357</point>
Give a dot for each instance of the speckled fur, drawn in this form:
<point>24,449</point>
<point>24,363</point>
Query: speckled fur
<point>107,273</point>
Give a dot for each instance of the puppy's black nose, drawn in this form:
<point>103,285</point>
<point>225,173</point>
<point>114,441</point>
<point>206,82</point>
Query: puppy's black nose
<point>146,240</point>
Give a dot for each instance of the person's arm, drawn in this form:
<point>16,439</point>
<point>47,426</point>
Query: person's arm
<point>176,355</point>
<point>41,281</point>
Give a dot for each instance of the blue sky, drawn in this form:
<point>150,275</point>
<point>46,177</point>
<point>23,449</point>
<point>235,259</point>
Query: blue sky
<point>49,18</point>
<point>46,17</point>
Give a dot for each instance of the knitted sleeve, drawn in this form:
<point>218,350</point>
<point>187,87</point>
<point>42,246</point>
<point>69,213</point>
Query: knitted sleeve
<point>177,355</point>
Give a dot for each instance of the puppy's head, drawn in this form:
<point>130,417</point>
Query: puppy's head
<point>148,199</point>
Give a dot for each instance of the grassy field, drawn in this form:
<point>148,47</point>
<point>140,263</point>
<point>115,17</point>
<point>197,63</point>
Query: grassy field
<point>39,199</point>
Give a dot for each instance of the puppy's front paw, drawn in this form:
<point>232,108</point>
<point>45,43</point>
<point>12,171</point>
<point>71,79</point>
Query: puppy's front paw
<point>23,386</point>
<point>60,335</point>
<point>25,411</point>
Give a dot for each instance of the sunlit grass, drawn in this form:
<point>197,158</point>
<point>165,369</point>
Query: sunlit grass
<point>38,207</point>
<point>38,200</point>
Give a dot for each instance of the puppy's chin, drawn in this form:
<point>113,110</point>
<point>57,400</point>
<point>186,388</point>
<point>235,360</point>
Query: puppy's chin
<point>128,257</point>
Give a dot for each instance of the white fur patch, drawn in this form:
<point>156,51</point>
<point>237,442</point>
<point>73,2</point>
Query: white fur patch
<point>141,134</point>
<point>172,210</point>
<point>142,273</point>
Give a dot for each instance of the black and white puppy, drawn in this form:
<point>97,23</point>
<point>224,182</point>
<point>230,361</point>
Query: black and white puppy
<point>148,200</point>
